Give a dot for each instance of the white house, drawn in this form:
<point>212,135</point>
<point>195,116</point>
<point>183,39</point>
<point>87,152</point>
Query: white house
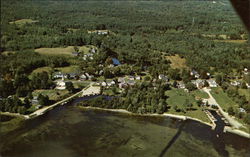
<point>245,71</point>
<point>195,74</point>
<point>242,110</point>
<point>212,83</point>
<point>83,77</point>
<point>131,77</point>
<point>121,80</point>
<point>104,84</point>
<point>235,83</point>
<point>198,83</point>
<point>58,75</point>
<point>248,85</point>
<point>138,77</point>
<point>181,85</point>
<point>163,77</point>
<point>93,50</point>
<point>61,84</point>
<point>110,82</point>
<point>34,101</point>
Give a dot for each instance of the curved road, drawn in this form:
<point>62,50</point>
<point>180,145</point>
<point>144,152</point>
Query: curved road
<point>231,121</point>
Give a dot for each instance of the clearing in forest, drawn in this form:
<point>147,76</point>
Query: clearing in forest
<point>232,41</point>
<point>63,50</point>
<point>23,21</point>
<point>56,51</point>
<point>177,62</point>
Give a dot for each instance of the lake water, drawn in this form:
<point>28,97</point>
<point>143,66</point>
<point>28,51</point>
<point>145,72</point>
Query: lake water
<point>71,131</point>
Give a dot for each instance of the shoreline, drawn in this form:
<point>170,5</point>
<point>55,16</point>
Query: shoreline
<point>180,117</point>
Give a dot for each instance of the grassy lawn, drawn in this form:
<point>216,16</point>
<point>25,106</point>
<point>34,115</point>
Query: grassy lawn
<point>177,62</point>
<point>56,51</point>
<point>85,49</point>
<point>199,114</point>
<point>63,50</point>
<point>39,70</point>
<point>178,97</point>
<point>69,69</point>
<point>80,84</point>
<point>200,94</point>
<point>222,98</point>
<point>53,94</point>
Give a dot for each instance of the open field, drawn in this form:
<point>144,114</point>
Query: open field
<point>56,51</point>
<point>52,94</point>
<point>63,50</point>
<point>85,49</point>
<point>232,41</point>
<point>199,114</point>
<point>222,98</point>
<point>69,69</point>
<point>178,97</point>
<point>8,52</point>
<point>23,21</point>
<point>199,94</point>
<point>39,70</point>
<point>177,62</point>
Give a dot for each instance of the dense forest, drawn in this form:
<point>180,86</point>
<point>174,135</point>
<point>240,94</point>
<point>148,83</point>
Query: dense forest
<point>139,28</point>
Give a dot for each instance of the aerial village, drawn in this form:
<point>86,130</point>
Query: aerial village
<point>113,77</point>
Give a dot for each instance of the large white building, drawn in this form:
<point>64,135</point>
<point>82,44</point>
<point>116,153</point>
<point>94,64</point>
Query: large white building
<point>61,84</point>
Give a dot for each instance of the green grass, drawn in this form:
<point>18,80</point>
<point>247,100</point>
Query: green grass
<point>200,94</point>
<point>81,84</point>
<point>69,69</point>
<point>56,51</point>
<point>53,94</point>
<point>85,49</point>
<point>199,114</point>
<point>222,98</point>
<point>63,50</point>
<point>46,69</point>
<point>177,97</point>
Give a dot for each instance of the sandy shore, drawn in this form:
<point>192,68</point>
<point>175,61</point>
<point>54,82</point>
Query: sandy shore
<point>154,114</point>
<point>238,132</point>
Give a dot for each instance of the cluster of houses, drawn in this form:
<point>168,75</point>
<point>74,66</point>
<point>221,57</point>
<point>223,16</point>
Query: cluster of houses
<point>199,83</point>
<point>60,77</point>
<point>83,76</point>
<point>121,81</point>
<point>99,32</point>
<point>90,55</point>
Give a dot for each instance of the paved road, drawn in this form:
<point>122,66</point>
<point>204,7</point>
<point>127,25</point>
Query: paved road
<point>89,90</point>
<point>231,121</point>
